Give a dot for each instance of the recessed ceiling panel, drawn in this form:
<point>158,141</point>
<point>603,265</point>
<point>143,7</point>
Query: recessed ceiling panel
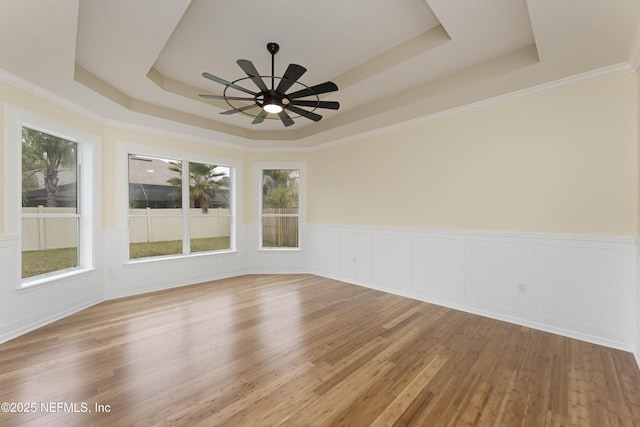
<point>141,61</point>
<point>327,37</point>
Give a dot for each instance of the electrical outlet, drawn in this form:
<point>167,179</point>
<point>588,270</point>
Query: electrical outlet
<point>522,288</point>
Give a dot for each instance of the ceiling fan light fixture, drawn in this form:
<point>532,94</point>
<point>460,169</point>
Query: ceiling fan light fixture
<point>275,100</point>
<point>272,108</point>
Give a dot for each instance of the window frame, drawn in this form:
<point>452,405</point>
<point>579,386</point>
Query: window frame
<point>258,170</point>
<point>125,149</point>
<point>87,193</point>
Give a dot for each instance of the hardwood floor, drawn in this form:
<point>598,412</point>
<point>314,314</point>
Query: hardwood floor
<point>302,350</point>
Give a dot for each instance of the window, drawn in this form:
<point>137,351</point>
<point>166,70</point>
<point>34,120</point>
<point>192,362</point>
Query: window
<point>50,208</point>
<point>51,189</point>
<point>178,207</point>
<point>280,208</point>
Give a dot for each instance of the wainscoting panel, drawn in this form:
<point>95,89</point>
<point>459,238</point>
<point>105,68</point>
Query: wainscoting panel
<point>579,286</point>
<point>586,289</point>
<point>499,276</point>
<point>355,255</point>
<point>126,277</point>
<point>26,309</point>
<point>438,267</point>
<point>325,255</point>
<point>391,260</point>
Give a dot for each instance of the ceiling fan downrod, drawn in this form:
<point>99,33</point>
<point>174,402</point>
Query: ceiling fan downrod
<point>273,48</point>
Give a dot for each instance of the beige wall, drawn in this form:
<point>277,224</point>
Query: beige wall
<point>565,162</point>
<point>559,163</point>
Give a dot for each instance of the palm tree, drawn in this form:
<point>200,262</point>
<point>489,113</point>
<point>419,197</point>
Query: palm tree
<point>203,183</point>
<point>280,188</point>
<point>46,154</point>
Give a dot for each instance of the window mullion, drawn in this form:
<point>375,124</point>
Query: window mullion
<point>186,226</point>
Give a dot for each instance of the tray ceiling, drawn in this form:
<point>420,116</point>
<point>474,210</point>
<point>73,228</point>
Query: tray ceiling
<point>140,61</point>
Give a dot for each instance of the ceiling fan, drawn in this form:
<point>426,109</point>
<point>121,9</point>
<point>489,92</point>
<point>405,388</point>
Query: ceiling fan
<point>274,100</point>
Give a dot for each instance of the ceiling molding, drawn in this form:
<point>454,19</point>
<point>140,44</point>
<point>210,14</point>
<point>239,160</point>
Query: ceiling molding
<point>49,96</point>
<point>390,58</point>
<point>209,141</point>
<point>634,53</point>
<point>214,140</point>
<point>386,60</point>
<point>92,82</point>
<point>418,101</point>
<point>542,89</point>
<point>182,89</point>
<point>418,45</point>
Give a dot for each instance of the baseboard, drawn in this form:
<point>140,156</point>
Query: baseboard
<point>549,282</point>
<point>193,281</point>
<point>496,316</point>
<point>7,336</point>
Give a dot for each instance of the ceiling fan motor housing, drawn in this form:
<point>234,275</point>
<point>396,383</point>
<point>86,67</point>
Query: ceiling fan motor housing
<point>272,97</point>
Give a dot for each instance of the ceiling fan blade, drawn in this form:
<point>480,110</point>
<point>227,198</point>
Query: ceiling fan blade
<point>332,105</point>
<point>248,67</point>
<point>259,118</point>
<point>293,73</point>
<point>230,98</point>
<point>314,90</point>
<point>226,83</point>
<point>286,120</point>
<point>237,110</point>
<point>308,114</point>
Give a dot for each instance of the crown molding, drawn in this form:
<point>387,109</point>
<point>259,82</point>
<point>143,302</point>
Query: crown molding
<point>242,146</point>
<point>634,53</point>
<point>45,94</point>
<point>210,141</point>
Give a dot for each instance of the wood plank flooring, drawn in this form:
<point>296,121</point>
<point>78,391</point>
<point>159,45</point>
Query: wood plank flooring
<point>300,350</point>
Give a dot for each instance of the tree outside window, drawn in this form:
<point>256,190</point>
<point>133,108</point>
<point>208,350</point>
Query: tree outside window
<point>159,223</point>
<point>280,212</point>
<point>50,214</point>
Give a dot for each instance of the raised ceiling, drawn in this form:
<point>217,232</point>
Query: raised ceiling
<point>140,61</point>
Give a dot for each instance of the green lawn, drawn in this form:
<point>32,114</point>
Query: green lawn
<point>35,263</point>
<point>172,247</point>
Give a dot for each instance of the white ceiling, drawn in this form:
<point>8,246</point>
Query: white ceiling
<point>140,61</point>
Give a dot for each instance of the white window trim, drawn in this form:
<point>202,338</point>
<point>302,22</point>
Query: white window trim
<point>258,167</point>
<point>88,145</point>
<point>124,148</point>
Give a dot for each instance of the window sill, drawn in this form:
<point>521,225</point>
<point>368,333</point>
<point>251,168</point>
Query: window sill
<point>28,284</point>
<point>179,257</point>
<point>280,249</point>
